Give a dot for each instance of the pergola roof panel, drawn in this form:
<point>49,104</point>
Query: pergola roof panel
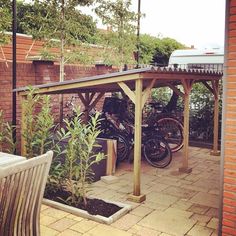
<point>108,82</point>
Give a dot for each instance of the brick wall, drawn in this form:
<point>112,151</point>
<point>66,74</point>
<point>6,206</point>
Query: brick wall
<point>36,73</point>
<point>229,167</point>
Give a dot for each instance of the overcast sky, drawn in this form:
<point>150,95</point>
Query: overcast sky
<point>191,22</point>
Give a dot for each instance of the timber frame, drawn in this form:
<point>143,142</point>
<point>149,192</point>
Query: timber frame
<point>137,85</point>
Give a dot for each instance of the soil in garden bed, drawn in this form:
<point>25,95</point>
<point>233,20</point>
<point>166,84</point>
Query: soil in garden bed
<point>94,206</point>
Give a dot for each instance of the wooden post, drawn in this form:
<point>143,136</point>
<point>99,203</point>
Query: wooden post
<point>187,88</point>
<point>111,156</point>
<point>215,151</point>
<point>23,125</point>
<point>137,197</point>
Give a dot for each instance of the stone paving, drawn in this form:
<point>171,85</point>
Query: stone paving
<point>176,203</point>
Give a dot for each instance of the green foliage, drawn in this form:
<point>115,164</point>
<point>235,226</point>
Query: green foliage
<point>6,20</point>
<point>38,125</point>
<point>157,50</point>
<point>163,50</point>
<point>60,24</point>
<point>80,156</point>
<point>6,139</point>
<point>202,112</point>
<point>147,48</point>
<point>119,42</point>
<point>162,95</point>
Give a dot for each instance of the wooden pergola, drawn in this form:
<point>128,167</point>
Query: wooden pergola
<point>137,85</point>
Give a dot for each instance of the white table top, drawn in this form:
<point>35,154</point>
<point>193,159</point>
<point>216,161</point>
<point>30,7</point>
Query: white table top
<point>6,159</point>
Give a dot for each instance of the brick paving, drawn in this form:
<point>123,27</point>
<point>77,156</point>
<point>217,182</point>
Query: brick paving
<point>177,204</point>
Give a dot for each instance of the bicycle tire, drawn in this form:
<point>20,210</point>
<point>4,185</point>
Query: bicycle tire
<point>123,146</point>
<point>172,129</point>
<point>157,152</point>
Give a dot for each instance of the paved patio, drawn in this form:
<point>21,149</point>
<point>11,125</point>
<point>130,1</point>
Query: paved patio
<point>177,204</point>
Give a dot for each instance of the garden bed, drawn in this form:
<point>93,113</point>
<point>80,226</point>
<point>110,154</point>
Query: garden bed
<point>102,211</point>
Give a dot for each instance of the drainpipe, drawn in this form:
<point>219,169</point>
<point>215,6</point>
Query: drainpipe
<point>223,118</point>
<point>14,29</point>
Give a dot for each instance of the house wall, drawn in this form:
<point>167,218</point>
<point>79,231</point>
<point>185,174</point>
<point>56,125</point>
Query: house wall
<point>228,221</point>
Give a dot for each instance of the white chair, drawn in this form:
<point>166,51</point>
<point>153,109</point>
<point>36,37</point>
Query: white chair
<point>22,186</point>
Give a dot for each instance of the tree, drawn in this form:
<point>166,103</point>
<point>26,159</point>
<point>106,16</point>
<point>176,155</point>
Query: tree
<point>5,22</point>
<point>147,48</point>
<point>120,41</point>
<point>157,50</point>
<point>59,24</point>
<point>164,48</point>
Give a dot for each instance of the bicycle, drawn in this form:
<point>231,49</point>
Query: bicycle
<point>162,116</point>
<point>170,126</point>
<point>154,146</point>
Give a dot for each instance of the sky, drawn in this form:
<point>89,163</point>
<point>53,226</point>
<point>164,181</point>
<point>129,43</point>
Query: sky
<point>191,22</point>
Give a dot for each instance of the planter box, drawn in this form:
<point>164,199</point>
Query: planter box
<point>78,212</point>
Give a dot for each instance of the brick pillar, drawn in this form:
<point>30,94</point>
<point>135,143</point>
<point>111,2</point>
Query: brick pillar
<point>44,72</point>
<point>228,171</point>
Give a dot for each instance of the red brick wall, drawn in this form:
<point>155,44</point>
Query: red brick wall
<point>39,73</point>
<point>229,185</point>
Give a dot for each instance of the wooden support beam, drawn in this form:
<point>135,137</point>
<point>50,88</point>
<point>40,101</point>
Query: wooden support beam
<point>137,197</point>
<point>91,96</point>
<point>23,126</point>
<point>99,96</point>
<point>187,85</point>
<point>146,93</point>
<point>83,99</point>
<point>215,86</point>
<point>127,91</point>
<point>176,90</point>
<point>208,86</point>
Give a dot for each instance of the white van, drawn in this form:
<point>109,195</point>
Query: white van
<point>212,59</point>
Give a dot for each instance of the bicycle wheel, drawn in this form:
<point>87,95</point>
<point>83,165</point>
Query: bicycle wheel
<point>122,146</point>
<point>172,130</point>
<point>157,152</point>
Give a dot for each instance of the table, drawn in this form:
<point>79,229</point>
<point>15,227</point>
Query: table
<point>7,159</point>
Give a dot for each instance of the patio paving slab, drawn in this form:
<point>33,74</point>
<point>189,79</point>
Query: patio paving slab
<point>199,209</point>
<point>47,220</point>
<point>138,230</point>
<point>126,222</point>
<point>58,214</point>
<point>177,212</point>
<point>141,211</point>
<point>214,212</point>
<point>84,226</point>
<point>63,224</point>
<point>201,218</point>
<point>105,230</point>
<point>206,199</point>
<point>69,232</point>
<point>213,223</point>
<point>46,231</point>
<point>180,192</point>
<point>167,223</point>
<point>198,230</point>
<point>182,204</point>
<point>161,198</point>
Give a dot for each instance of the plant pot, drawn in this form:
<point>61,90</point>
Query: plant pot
<point>125,208</point>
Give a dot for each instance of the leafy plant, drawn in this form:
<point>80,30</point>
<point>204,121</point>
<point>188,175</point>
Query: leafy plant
<point>80,156</point>
<point>7,143</point>
<point>119,43</point>
<point>5,22</point>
